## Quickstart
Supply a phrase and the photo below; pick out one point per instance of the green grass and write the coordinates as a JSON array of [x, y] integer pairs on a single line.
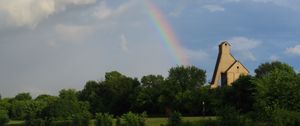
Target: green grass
[[153, 121], [15, 123], [159, 121]]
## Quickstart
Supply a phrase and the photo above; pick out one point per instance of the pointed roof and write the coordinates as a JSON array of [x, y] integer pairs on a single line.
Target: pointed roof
[[224, 42], [236, 61]]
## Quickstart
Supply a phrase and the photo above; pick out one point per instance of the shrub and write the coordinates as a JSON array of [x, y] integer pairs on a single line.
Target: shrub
[[35, 122], [81, 119], [61, 123], [131, 119], [118, 121], [3, 117], [174, 119], [104, 119], [285, 118], [229, 116]]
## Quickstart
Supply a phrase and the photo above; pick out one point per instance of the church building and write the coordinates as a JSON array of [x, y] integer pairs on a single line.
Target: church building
[[227, 68]]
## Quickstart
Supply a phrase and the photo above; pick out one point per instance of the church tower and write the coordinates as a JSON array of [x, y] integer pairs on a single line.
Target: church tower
[[227, 68]]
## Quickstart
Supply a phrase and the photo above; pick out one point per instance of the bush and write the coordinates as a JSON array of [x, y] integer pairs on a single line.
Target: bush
[[81, 119], [229, 116], [201, 123], [61, 123], [3, 117], [131, 119], [35, 122], [118, 121], [174, 119], [285, 118], [104, 119]]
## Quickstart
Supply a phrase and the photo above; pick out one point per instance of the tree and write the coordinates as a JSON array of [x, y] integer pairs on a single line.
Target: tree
[[147, 99], [18, 109], [241, 94], [90, 94], [23, 96], [152, 81], [5, 104], [267, 68], [276, 90], [178, 88], [3, 117], [187, 77], [68, 94], [118, 92], [46, 98], [66, 106]]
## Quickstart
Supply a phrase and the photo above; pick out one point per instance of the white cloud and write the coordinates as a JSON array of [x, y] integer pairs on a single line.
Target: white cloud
[[214, 8], [243, 43], [292, 4], [293, 50], [103, 11], [31, 12], [124, 43], [178, 10], [73, 33], [244, 46]]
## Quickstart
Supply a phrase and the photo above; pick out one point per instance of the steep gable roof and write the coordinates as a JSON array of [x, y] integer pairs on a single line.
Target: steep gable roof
[[225, 42], [236, 62]]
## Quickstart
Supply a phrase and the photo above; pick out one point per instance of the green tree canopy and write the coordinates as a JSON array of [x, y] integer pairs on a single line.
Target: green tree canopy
[[267, 68], [23, 96], [68, 94], [147, 99], [66, 106], [90, 93], [187, 77], [152, 81], [278, 89]]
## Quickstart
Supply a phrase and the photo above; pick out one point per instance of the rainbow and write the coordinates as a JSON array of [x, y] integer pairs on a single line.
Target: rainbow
[[168, 36]]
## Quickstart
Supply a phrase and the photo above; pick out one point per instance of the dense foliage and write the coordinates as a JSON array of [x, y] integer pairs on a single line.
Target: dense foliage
[[3, 117], [104, 119], [271, 97]]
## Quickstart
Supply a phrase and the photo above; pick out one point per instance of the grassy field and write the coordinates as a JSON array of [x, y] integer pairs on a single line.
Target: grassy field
[[153, 121], [159, 121]]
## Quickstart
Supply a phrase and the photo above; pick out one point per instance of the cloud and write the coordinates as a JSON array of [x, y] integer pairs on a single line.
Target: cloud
[[178, 10], [243, 43], [31, 12], [103, 11], [214, 8], [244, 46], [292, 4], [293, 50], [73, 33], [124, 43]]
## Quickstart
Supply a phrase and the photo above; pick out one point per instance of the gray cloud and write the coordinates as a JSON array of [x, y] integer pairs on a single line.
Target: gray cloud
[[31, 12], [65, 51], [73, 33]]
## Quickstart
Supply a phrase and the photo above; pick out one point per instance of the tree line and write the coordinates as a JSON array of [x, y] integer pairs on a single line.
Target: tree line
[[272, 91]]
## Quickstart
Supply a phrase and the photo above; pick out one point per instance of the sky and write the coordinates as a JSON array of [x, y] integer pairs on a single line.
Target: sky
[[48, 45]]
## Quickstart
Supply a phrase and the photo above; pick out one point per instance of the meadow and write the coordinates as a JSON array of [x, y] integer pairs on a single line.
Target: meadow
[[150, 121]]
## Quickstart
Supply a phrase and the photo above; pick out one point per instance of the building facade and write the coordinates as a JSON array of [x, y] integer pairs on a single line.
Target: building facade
[[227, 68]]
